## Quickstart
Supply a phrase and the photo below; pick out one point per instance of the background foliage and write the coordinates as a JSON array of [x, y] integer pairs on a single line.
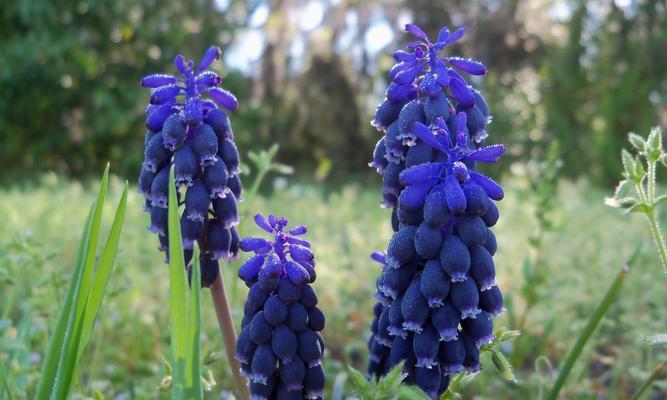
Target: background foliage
[[308, 74]]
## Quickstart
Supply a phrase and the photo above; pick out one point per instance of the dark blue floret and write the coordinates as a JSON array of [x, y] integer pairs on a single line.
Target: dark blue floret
[[414, 308], [428, 241], [434, 284], [425, 346], [482, 269], [297, 318], [191, 230], [219, 239], [226, 210], [260, 329], [205, 144], [465, 297], [491, 301], [173, 132], [446, 320], [275, 310], [401, 247], [455, 258], [230, 156], [314, 382], [197, 202], [428, 379], [451, 355], [263, 364], [471, 230], [479, 329], [284, 343], [292, 373]]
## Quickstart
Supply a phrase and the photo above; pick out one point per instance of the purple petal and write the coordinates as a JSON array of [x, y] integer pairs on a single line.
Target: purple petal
[[396, 92], [252, 244], [193, 115], [442, 74], [402, 55], [264, 249], [489, 154], [157, 80], [378, 256], [296, 273], [415, 44], [493, 189], [406, 77], [249, 270], [299, 230], [418, 174], [262, 223], [208, 79], [213, 53], [273, 220], [225, 98], [179, 63], [414, 29], [425, 133], [461, 92], [456, 199], [300, 242], [412, 197], [470, 66], [165, 94], [443, 35], [458, 34]]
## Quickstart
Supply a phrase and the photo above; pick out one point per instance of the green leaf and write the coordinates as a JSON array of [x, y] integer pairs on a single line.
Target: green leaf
[[411, 393], [67, 362], [394, 378], [654, 144], [504, 336], [639, 170], [659, 200], [103, 272], [636, 141], [628, 163], [503, 366], [586, 334], [640, 208], [358, 381], [623, 189], [178, 296]]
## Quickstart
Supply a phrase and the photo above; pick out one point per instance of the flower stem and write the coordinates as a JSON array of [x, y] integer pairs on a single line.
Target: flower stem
[[657, 238], [228, 331]]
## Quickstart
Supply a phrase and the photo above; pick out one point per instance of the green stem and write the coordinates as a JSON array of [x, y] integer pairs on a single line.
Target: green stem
[[649, 381], [583, 338], [657, 238], [451, 392]]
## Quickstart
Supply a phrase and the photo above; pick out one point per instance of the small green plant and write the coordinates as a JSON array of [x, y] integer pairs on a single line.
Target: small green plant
[[82, 302], [637, 191]]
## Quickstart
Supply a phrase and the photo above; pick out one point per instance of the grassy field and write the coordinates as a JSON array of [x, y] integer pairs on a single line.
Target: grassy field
[[41, 225]]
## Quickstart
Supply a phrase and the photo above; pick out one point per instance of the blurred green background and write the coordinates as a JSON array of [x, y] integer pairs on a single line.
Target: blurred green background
[[308, 74]]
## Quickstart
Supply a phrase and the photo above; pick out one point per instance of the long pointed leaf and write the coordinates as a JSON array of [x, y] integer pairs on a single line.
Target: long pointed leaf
[[66, 364], [103, 272], [53, 355], [177, 295]]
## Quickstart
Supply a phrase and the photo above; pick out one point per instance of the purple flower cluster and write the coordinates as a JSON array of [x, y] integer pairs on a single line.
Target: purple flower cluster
[[188, 129], [280, 346], [437, 293]]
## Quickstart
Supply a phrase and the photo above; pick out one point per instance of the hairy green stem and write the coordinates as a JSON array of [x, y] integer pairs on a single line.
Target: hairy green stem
[[649, 381], [657, 238]]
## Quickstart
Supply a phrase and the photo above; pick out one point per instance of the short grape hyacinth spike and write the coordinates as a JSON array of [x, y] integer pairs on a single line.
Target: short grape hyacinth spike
[[280, 346], [436, 292], [189, 130]]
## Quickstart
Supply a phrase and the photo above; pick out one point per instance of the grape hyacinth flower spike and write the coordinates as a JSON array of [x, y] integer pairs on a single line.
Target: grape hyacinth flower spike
[[280, 346], [436, 292], [187, 127]]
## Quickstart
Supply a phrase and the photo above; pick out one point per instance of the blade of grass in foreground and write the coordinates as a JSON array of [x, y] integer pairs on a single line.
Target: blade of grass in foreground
[[82, 301], [656, 372], [66, 364], [58, 345], [592, 324], [178, 296]]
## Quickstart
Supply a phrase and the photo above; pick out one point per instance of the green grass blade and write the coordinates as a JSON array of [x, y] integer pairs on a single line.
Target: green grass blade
[[67, 362], [177, 295], [647, 384], [54, 352], [102, 273], [592, 324], [194, 328]]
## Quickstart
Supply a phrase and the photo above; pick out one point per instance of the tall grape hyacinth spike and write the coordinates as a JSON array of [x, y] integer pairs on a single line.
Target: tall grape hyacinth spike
[[280, 346], [189, 129], [437, 294]]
